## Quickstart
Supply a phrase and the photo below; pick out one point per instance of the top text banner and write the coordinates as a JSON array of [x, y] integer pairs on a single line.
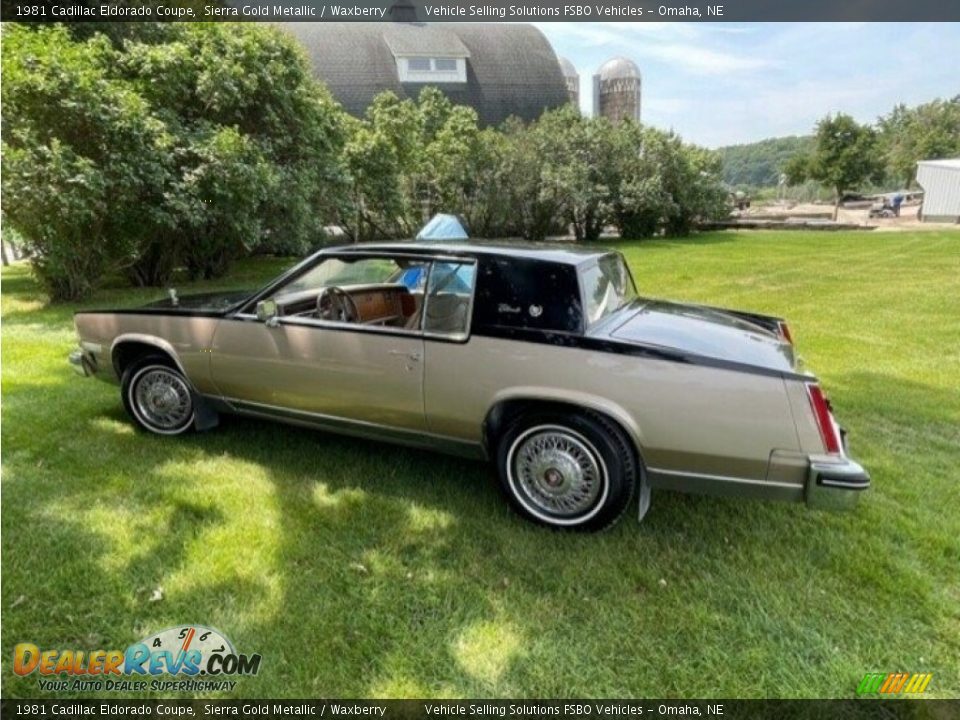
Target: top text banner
[[491, 11]]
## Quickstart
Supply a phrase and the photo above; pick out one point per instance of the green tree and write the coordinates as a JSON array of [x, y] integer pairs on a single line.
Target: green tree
[[844, 157], [759, 164], [660, 182], [696, 188], [146, 151], [375, 179], [81, 154], [206, 80], [407, 160], [579, 155], [535, 203], [486, 199], [450, 146], [927, 132]]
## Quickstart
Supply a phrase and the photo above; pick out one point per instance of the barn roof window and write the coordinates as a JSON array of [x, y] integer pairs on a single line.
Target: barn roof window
[[427, 53], [432, 69]]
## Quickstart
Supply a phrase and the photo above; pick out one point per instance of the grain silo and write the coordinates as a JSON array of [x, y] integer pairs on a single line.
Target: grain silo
[[572, 80], [616, 90]]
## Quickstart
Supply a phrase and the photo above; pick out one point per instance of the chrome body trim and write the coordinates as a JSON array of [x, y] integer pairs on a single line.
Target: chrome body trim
[[358, 428], [157, 342], [355, 327], [724, 485]]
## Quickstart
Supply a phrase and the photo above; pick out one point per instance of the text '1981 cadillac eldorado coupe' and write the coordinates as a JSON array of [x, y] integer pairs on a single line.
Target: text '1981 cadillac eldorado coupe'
[[544, 360]]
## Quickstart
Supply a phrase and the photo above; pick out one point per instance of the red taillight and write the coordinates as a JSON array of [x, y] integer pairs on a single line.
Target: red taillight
[[821, 410], [784, 331]]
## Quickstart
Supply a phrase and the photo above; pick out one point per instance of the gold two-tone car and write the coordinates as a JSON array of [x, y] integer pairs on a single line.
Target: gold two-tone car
[[546, 361]]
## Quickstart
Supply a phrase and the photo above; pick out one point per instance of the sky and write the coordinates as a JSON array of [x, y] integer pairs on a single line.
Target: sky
[[726, 83]]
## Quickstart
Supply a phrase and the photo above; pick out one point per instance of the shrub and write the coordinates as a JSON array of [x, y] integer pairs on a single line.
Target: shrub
[[147, 149], [79, 156], [154, 150]]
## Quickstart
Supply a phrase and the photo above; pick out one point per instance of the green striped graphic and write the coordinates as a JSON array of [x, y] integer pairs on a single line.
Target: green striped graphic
[[894, 683]]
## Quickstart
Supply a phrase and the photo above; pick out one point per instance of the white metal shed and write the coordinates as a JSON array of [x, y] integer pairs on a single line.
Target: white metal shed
[[940, 180]]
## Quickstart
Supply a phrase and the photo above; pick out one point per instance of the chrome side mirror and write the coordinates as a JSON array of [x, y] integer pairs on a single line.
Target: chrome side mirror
[[267, 312]]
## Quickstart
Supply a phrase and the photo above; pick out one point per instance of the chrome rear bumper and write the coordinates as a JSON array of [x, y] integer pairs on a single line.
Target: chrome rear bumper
[[835, 485]]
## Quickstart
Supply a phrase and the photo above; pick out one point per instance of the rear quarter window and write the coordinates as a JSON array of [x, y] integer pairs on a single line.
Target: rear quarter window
[[531, 294]]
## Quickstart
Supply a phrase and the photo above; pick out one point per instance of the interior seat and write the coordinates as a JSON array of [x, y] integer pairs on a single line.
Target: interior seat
[[413, 319], [447, 313]]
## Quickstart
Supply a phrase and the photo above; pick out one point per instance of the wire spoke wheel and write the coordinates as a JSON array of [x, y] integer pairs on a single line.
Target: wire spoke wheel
[[557, 473], [162, 399]]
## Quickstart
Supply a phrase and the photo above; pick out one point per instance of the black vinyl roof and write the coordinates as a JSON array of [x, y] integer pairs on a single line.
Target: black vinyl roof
[[511, 69]]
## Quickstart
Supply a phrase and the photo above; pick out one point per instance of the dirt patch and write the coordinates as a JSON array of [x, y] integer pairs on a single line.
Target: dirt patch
[[908, 220]]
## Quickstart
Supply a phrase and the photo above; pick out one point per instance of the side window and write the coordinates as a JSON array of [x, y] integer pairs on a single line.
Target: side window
[[448, 300], [375, 292], [607, 287]]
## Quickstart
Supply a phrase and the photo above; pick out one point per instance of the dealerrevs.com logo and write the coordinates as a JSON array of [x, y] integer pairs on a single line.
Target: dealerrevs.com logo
[[197, 657]]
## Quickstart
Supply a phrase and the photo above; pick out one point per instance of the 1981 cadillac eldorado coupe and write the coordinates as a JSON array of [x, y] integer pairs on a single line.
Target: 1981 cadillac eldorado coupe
[[545, 360]]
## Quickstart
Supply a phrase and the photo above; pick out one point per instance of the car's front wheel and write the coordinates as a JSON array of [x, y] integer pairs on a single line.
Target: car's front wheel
[[158, 396], [572, 471]]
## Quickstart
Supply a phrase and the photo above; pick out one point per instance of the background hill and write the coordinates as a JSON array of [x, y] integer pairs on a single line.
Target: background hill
[[759, 164]]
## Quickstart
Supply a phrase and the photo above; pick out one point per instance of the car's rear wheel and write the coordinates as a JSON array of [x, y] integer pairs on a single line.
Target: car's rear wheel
[[573, 471], [158, 396]]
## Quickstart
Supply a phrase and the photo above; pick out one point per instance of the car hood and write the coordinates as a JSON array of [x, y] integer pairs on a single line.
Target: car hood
[[705, 331], [201, 302]]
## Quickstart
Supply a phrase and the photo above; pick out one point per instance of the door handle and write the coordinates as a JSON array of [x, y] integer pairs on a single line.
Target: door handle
[[415, 356]]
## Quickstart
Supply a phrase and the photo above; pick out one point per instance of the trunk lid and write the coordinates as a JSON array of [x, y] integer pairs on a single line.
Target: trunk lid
[[706, 331]]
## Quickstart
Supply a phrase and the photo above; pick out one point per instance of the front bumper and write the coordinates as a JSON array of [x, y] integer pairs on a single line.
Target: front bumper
[[83, 363], [835, 484]]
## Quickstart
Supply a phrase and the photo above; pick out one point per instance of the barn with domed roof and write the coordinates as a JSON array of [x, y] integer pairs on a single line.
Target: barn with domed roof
[[498, 69]]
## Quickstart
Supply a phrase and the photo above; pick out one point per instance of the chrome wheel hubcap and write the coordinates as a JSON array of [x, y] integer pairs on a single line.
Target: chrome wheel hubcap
[[557, 472], [163, 399]]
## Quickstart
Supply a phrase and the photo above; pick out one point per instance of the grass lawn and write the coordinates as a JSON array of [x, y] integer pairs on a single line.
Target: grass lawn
[[365, 570]]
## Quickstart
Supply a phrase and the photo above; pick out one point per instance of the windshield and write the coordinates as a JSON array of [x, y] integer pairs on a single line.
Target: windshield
[[607, 287]]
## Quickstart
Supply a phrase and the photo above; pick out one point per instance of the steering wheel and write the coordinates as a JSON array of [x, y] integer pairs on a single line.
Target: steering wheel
[[334, 303]]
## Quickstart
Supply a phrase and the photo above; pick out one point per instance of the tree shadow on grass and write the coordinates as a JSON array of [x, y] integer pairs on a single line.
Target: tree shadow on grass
[[483, 602], [38, 569], [64, 587], [429, 586], [361, 569], [382, 570]]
